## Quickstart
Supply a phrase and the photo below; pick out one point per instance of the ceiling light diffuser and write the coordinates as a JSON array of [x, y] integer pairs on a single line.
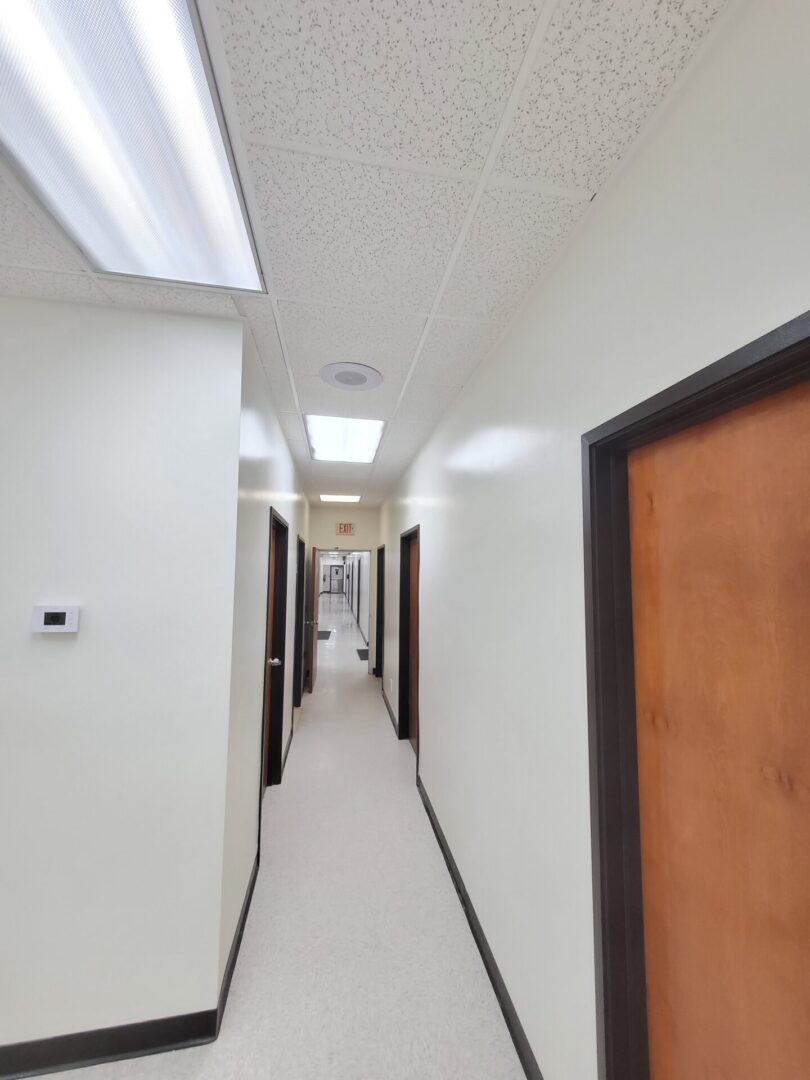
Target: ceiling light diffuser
[[339, 438], [340, 498], [106, 112]]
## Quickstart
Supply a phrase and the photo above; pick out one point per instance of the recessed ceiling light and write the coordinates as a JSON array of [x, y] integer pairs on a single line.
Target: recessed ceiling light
[[107, 113], [339, 438], [340, 498], [351, 376]]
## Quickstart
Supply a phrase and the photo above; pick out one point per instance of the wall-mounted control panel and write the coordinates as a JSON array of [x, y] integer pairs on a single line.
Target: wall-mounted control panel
[[55, 619]]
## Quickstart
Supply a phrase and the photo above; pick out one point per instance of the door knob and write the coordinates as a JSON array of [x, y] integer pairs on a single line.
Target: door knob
[[274, 663]]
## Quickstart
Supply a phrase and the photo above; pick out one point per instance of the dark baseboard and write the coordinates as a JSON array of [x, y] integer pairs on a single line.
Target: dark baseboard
[[84, 1048], [287, 747], [524, 1050], [236, 944], [107, 1044], [390, 711]]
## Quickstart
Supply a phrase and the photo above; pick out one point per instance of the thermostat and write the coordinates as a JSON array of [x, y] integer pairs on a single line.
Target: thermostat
[[55, 619]]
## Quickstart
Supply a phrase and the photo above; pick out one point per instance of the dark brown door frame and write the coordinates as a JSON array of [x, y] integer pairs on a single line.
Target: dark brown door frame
[[773, 362], [379, 627], [300, 616], [271, 767], [403, 718]]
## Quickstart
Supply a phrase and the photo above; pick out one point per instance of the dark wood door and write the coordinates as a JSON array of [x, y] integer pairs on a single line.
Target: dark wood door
[[720, 553], [269, 654], [379, 629], [300, 618], [312, 621], [413, 643]]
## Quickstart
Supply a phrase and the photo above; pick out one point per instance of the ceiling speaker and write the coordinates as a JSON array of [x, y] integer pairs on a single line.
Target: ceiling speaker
[[351, 376]]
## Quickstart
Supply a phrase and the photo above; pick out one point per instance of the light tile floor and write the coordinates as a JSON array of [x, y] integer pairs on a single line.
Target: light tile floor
[[357, 961]]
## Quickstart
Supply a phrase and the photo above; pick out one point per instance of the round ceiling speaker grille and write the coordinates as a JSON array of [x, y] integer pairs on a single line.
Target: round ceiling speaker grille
[[351, 376]]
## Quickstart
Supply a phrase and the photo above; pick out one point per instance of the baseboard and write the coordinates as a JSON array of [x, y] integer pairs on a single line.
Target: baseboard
[[236, 944], [390, 711], [524, 1050], [107, 1044], [287, 749], [83, 1048]]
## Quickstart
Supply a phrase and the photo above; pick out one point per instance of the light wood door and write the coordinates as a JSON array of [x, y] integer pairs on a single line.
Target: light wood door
[[720, 549]]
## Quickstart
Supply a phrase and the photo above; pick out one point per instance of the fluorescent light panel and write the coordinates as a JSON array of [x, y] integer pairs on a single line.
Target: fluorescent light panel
[[339, 438], [340, 498], [106, 111]]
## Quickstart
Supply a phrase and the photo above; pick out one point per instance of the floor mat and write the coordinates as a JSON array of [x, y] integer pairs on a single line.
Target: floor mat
[[324, 635], [363, 654]]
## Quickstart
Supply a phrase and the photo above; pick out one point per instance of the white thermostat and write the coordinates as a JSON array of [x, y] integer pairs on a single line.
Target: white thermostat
[[55, 619]]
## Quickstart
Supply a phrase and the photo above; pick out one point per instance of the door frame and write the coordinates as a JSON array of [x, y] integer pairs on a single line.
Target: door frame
[[300, 597], [403, 713], [773, 362], [379, 622], [272, 766]]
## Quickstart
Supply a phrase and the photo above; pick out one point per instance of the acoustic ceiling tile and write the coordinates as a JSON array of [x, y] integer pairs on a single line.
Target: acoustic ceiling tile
[[28, 238], [80, 288], [318, 335], [454, 349], [418, 81], [160, 297], [320, 399], [513, 236], [603, 68], [341, 233]]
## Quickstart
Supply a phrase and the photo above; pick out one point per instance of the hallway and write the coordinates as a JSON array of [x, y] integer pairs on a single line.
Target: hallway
[[357, 962]]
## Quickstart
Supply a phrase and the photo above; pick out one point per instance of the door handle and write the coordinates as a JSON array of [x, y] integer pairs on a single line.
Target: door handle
[[274, 663]]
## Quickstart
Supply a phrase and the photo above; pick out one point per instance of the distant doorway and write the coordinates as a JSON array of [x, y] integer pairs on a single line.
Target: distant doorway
[[379, 629], [409, 637], [275, 651]]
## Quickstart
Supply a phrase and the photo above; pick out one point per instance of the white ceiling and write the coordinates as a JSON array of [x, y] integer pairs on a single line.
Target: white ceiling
[[410, 168]]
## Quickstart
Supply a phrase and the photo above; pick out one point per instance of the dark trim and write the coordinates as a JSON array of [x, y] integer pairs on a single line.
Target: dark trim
[[771, 363], [279, 634], [84, 1048], [390, 712], [379, 625], [287, 748], [107, 1044], [404, 630], [524, 1050], [236, 944], [298, 639]]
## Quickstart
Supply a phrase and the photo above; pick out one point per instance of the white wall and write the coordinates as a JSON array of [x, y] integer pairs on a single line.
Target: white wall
[[360, 562], [701, 245], [266, 478], [119, 437]]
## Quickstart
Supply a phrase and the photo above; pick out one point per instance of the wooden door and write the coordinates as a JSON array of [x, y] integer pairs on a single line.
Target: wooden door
[[413, 642], [312, 622], [720, 553], [269, 654]]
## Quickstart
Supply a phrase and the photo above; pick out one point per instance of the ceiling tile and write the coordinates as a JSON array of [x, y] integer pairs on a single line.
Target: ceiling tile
[[344, 233], [28, 237], [80, 288], [318, 335], [454, 349], [433, 77], [424, 402], [603, 68], [318, 397], [513, 236], [164, 297]]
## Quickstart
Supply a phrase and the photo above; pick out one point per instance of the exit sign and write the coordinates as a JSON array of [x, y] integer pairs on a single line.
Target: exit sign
[[345, 528]]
